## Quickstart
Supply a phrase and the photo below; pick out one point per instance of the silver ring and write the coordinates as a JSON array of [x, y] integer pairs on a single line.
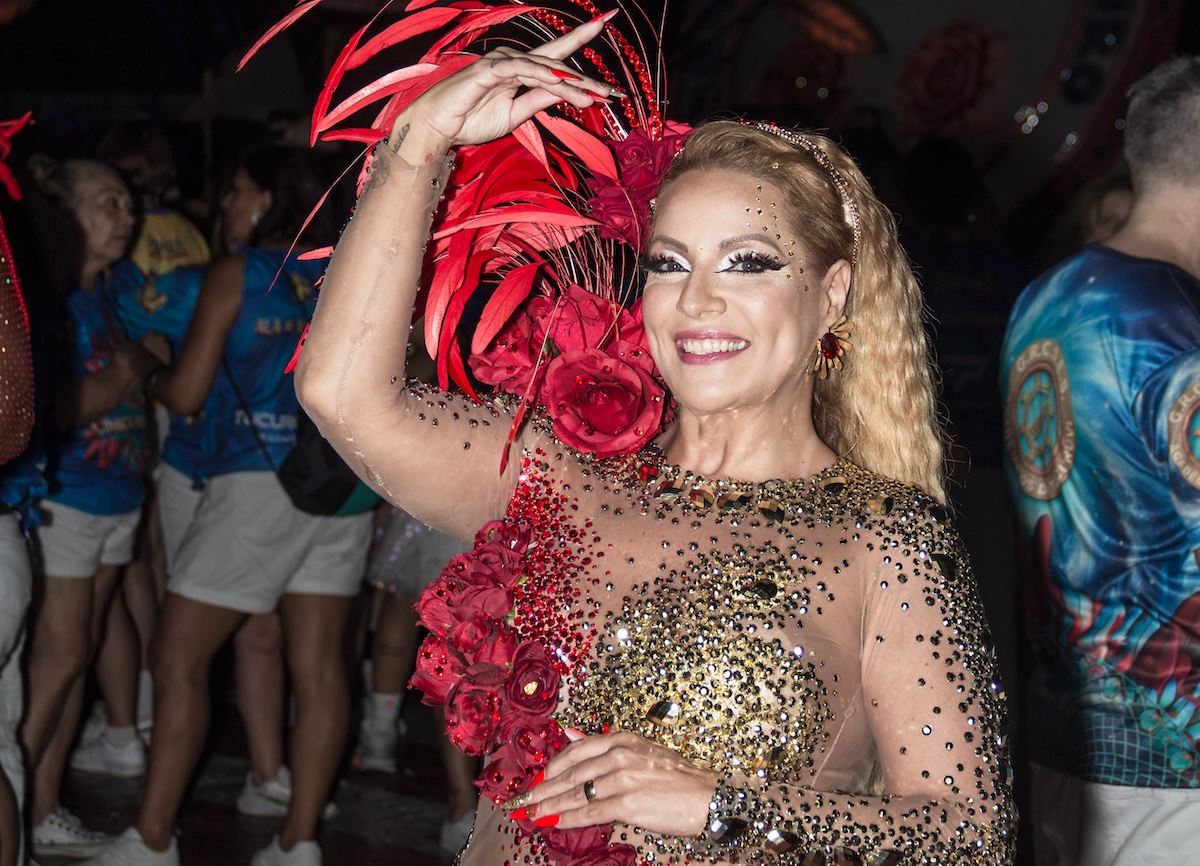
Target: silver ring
[[589, 790]]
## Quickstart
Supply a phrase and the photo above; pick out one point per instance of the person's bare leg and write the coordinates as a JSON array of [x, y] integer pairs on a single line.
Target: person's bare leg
[[314, 628], [10, 823], [181, 654], [118, 661], [258, 658], [59, 649], [394, 646]]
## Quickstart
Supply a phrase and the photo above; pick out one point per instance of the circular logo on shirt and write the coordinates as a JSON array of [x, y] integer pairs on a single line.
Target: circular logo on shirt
[[1183, 432], [1039, 433]]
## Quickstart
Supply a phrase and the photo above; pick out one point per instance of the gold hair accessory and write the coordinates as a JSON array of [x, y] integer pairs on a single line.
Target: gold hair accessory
[[832, 346], [849, 207]]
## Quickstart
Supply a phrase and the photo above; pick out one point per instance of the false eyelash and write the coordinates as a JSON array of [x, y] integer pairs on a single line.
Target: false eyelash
[[648, 263], [770, 263]]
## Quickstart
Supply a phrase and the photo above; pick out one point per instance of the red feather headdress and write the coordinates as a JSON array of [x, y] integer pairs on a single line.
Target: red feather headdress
[[548, 220]]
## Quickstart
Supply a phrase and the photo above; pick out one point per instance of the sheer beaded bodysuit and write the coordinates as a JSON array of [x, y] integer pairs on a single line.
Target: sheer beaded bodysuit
[[797, 636]]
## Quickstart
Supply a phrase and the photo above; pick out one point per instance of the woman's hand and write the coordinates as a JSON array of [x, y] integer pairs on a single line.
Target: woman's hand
[[496, 94], [633, 781]]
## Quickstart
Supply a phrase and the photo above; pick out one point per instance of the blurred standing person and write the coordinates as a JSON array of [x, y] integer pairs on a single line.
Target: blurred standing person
[[20, 477], [1101, 370], [148, 299], [249, 549], [96, 459]]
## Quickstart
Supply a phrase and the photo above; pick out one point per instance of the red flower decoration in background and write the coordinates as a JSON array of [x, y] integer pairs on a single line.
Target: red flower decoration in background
[[949, 86]]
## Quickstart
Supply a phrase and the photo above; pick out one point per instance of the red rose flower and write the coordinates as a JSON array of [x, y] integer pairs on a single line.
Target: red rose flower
[[610, 855], [949, 86], [505, 776], [515, 536], [510, 362], [532, 687], [473, 709], [438, 670], [580, 320], [532, 741], [567, 846], [603, 404], [483, 639], [623, 206]]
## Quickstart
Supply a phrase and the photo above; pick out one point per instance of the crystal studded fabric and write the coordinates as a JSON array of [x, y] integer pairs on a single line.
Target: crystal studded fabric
[[818, 642]]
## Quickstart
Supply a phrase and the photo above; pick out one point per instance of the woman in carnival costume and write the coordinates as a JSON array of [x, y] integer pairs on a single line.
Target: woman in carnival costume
[[717, 610]]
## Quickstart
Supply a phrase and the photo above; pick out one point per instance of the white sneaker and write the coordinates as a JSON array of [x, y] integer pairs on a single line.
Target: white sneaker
[[306, 853], [99, 755], [272, 797], [455, 834], [376, 749], [130, 849], [61, 834]]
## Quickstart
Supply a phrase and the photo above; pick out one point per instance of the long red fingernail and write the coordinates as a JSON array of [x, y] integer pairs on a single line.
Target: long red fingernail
[[518, 815], [566, 76], [539, 778], [598, 98], [605, 16], [546, 821]]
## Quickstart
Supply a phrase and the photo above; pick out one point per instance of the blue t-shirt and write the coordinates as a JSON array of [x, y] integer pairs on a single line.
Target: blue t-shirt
[[97, 468], [1101, 376], [163, 304], [251, 394]]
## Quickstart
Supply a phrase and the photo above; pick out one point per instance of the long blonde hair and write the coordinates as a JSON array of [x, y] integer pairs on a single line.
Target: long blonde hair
[[879, 410]]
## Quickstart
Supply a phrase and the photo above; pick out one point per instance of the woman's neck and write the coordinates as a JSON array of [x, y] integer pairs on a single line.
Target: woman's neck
[[747, 444]]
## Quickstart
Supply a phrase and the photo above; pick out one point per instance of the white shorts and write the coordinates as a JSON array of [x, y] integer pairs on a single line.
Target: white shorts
[[1078, 823], [177, 504], [73, 543], [248, 545]]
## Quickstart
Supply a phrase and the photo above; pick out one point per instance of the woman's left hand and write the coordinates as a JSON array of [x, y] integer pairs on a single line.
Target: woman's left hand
[[634, 781]]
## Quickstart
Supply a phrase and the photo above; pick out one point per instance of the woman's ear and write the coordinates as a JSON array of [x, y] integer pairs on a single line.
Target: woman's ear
[[836, 286]]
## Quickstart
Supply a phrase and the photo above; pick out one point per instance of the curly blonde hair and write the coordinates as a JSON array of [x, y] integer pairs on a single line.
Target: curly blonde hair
[[879, 410]]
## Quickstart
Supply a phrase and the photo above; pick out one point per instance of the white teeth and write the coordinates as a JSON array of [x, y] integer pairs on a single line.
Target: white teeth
[[711, 347]]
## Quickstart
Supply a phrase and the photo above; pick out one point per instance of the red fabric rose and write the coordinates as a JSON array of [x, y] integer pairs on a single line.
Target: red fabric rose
[[623, 206], [532, 687], [482, 639], [610, 855], [505, 776], [949, 86], [515, 536], [603, 404], [473, 708], [532, 741], [580, 320], [509, 362], [568, 846], [438, 669]]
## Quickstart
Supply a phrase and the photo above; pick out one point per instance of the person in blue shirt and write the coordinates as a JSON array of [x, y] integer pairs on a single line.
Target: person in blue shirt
[[249, 549], [1101, 376], [96, 446]]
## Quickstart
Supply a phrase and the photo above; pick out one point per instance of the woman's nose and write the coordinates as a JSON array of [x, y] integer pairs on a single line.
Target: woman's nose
[[700, 296]]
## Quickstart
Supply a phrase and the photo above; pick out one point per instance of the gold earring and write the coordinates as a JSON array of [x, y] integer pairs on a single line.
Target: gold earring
[[831, 347]]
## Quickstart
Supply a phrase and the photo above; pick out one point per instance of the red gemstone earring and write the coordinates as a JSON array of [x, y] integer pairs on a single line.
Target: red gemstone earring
[[831, 347]]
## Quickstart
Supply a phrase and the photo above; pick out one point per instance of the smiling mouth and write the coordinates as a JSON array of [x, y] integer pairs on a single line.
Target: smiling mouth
[[711, 347]]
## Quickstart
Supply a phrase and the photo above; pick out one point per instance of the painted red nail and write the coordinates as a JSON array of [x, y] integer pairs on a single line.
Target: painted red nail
[[546, 821], [539, 778], [605, 16], [598, 98], [518, 815], [566, 76]]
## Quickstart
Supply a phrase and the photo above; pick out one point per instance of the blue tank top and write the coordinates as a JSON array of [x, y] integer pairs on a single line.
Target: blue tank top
[[97, 468], [251, 411], [165, 305]]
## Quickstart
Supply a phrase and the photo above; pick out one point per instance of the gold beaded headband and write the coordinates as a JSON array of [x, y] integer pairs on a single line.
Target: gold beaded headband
[[849, 207]]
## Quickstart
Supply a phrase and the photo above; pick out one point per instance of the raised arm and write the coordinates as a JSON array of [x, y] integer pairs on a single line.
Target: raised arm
[[435, 456]]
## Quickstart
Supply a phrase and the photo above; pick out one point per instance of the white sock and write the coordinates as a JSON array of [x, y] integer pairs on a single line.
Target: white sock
[[384, 710], [119, 737], [145, 698]]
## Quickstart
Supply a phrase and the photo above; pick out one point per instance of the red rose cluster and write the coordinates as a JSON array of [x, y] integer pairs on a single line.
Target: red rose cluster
[[497, 691], [585, 359], [622, 205]]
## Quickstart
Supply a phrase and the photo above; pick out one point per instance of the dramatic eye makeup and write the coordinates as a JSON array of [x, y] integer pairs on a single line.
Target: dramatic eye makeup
[[663, 263], [750, 262]]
